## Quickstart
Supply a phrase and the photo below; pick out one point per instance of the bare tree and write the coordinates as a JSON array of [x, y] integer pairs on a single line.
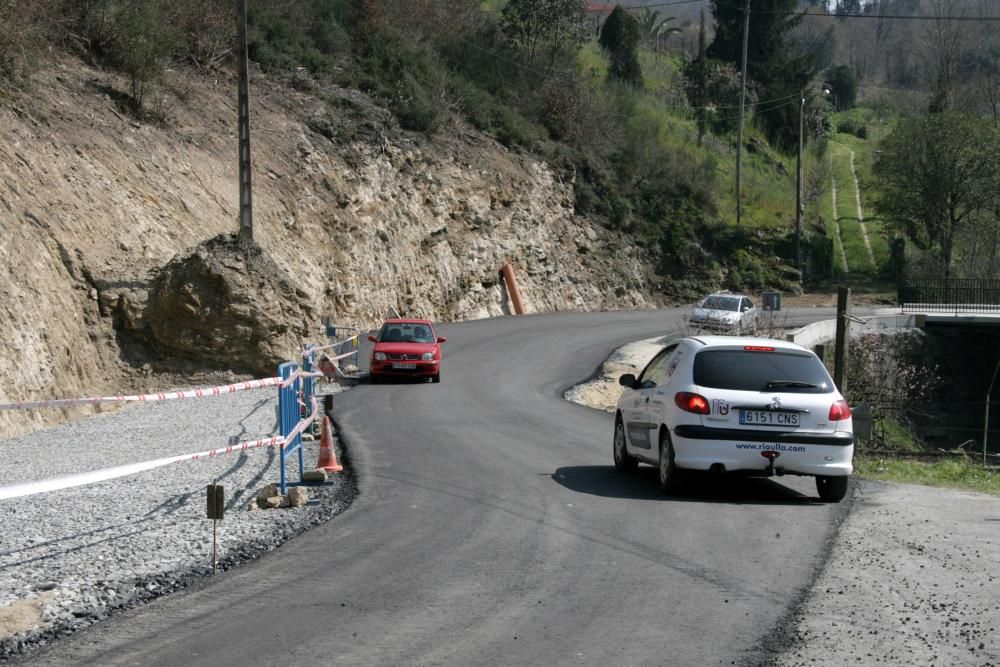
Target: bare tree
[[942, 45]]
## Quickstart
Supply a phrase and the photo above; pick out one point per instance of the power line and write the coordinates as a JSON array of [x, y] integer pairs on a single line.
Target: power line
[[898, 17], [571, 76]]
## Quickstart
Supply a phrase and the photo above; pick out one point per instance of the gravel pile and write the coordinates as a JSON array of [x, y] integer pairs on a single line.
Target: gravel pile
[[71, 557]]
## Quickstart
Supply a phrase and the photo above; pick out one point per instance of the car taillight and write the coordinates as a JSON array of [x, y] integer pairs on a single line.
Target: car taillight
[[758, 348], [689, 402], [840, 411]]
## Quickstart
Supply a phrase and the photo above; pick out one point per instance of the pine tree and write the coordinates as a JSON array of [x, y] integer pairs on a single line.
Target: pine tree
[[620, 39], [778, 71]]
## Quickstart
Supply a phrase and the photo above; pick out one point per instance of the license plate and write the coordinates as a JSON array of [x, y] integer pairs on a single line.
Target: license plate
[[769, 418], [405, 367]]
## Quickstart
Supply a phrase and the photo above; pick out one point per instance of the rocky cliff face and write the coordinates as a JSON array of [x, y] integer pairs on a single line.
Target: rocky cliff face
[[359, 215]]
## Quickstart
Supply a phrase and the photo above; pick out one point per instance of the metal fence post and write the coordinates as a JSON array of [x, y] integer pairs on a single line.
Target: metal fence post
[[288, 416]]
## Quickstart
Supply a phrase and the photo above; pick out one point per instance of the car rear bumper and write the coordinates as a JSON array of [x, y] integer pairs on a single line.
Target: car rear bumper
[[751, 452]]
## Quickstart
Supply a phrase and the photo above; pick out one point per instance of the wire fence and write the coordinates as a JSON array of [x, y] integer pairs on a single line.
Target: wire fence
[[960, 429]]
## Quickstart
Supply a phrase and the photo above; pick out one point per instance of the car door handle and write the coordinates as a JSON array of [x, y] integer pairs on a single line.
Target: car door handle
[[647, 399]]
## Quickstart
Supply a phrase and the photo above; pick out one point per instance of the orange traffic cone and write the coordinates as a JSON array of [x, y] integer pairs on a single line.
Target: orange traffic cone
[[327, 457]]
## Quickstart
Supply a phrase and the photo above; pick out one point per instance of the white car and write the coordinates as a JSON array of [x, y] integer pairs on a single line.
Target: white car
[[726, 404], [723, 310]]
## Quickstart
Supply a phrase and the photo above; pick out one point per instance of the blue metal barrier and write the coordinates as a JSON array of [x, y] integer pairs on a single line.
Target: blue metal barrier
[[289, 415], [333, 330], [308, 383]]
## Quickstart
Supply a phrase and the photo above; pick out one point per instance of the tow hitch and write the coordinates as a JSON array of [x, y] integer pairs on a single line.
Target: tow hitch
[[770, 456]]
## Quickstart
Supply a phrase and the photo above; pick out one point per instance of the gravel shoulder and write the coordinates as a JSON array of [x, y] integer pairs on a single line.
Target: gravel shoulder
[[911, 578], [72, 557]]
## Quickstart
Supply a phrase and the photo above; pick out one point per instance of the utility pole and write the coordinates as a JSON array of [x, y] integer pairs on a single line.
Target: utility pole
[[743, 97], [843, 339], [798, 189], [246, 194]]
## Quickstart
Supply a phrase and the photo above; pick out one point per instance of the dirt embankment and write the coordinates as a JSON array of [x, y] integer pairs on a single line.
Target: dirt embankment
[[360, 215]]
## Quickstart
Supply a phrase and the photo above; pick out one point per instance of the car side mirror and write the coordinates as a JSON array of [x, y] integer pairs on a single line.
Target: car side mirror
[[373, 339], [627, 380], [442, 339]]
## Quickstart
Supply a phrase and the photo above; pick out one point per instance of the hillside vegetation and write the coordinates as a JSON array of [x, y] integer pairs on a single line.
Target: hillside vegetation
[[637, 108]]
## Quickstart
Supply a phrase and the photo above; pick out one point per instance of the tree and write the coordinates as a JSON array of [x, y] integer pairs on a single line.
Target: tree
[[779, 70], [146, 42], [817, 39], [935, 176], [696, 81], [535, 24], [652, 27], [843, 85], [25, 27], [943, 41], [620, 39]]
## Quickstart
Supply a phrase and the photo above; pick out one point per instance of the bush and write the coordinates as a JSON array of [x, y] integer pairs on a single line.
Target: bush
[[24, 30], [851, 125]]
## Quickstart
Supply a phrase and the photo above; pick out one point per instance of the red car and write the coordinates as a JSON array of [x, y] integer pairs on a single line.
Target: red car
[[406, 348]]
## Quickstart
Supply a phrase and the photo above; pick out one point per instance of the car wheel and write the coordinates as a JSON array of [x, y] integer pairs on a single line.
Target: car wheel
[[623, 462], [436, 378], [831, 489], [373, 379], [669, 475]]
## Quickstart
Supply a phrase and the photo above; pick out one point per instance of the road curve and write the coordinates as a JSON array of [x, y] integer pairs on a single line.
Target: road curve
[[491, 529]]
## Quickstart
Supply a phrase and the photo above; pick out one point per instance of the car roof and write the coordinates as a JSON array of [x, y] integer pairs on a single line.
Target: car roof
[[741, 341], [406, 320]]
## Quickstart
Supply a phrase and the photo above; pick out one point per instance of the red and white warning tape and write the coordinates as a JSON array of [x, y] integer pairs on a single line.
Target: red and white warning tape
[[81, 479], [306, 353], [166, 396]]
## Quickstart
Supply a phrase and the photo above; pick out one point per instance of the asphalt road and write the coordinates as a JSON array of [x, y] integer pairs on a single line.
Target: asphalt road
[[490, 528]]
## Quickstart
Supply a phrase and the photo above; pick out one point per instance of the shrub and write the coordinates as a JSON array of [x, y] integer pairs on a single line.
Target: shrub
[[24, 30], [851, 125]]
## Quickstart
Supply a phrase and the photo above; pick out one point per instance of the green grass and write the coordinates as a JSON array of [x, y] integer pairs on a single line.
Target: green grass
[[768, 177], [863, 158], [960, 473], [858, 259]]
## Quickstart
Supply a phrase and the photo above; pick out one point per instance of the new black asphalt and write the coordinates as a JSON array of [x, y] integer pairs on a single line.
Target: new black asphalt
[[490, 528]]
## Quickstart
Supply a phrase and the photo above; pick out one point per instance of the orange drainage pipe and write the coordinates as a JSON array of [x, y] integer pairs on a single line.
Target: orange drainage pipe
[[515, 294]]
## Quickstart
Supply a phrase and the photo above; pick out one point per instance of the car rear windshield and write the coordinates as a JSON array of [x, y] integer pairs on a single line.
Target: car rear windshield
[[721, 303], [761, 371]]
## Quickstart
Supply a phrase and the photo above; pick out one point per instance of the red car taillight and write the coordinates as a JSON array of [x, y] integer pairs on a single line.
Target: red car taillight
[[840, 411], [689, 402]]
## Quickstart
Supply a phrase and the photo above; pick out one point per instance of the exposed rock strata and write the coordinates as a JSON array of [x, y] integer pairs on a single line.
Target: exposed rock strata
[[93, 206]]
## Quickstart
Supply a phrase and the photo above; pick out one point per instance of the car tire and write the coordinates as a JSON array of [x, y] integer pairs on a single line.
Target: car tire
[[619, 453], [831, 489], [436, 378], [668, 475], [373, 379]]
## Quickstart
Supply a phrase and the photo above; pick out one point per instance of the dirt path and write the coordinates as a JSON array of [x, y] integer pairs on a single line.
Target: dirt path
[[836, 219], [861, 216]]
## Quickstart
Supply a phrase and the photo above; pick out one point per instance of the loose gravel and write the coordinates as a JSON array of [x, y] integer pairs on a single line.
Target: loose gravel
[[71, 557], [913, 576]]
